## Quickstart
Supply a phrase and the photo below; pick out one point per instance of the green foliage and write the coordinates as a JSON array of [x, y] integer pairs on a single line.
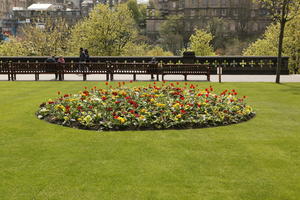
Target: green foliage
[[105, 32], [46, 40], [215, 26], [171, 33], [133, 49], [200, 43], [267, 45], [13, 47], [50, 39], [138, 12]]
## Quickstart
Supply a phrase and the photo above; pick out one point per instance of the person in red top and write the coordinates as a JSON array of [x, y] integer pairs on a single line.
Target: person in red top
[[61, 60]]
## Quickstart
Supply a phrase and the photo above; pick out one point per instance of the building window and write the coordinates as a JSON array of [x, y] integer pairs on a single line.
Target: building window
[[213, 2], [223, 12], [192, 13], [255, 27], [232, 27], [214, 12], [193, 3]]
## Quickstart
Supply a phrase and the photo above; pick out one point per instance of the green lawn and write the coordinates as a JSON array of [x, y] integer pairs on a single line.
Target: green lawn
[[258, 159]]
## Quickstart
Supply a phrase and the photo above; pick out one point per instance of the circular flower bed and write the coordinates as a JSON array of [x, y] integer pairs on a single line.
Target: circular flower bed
[[153, 107]]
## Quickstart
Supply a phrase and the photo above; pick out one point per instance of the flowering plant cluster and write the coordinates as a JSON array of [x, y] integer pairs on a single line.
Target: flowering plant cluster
[[152, 107]]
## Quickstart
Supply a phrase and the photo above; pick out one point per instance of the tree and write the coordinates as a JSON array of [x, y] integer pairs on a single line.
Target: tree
[[133, 49], [13, 47], [105, 32], [171, 33], [215, 26], [268, 44], [138, 12], [200, 43], [281, 11], [50, 38]]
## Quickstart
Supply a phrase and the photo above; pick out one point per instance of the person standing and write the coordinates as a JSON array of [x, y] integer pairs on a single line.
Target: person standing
[[87, 55], [81, 59]]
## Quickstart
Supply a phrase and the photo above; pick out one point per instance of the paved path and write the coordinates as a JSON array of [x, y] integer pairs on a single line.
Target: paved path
[[214, 78]]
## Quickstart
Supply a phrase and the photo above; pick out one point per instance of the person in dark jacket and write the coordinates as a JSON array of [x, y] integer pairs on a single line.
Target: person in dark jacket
[[51, 68], [87, 55]]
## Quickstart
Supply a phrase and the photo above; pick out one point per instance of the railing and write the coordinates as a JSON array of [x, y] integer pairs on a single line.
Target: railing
[[231, 64]]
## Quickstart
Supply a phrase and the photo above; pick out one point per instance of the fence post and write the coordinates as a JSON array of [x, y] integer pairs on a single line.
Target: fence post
[[219, 72]]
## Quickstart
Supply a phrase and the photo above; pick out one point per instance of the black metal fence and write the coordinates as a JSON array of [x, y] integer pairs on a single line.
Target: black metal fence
[[256, 65]]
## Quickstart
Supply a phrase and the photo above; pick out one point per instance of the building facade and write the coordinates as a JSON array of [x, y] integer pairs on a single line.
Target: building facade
[[238, 16]]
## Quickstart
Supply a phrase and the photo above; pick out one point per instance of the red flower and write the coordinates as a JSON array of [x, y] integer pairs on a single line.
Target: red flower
[[207, 95], [199, 95], [106, 83], [66, 95], [172, 84], [85, 87], [90, 107], [182, 98], [177, 83], [206, 101], [244, 97], [117, 102], [58, 92], [131, 81], [127, 97], [104, 98], [109, 109], [50, 102], [182, 111], [116, 117], [131, 111], [79, 107], [67, 107]]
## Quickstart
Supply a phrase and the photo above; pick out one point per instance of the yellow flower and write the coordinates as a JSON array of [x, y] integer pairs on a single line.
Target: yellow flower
[[59, 107], [178, 116], [142, 117], [176, 105], [66, 118], [143, 110], [160, 105], [121, 119], [152, 100], [122, 92]]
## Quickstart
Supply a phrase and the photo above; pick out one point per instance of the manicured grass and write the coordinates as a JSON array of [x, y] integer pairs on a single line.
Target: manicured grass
[[258, 159]]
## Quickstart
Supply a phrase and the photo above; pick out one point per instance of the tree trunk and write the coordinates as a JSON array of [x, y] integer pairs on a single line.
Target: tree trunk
[[279, 57], [280, 43]]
